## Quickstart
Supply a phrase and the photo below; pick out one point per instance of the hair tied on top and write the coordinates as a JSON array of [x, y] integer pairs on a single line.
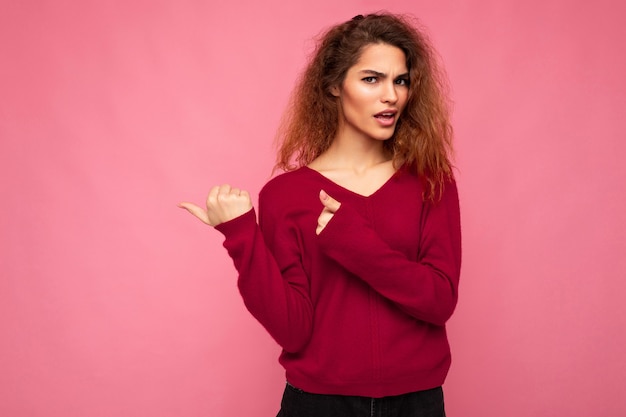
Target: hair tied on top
[[358, 17]]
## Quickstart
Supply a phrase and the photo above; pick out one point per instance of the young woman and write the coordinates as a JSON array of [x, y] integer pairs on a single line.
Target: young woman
[[353, 267]]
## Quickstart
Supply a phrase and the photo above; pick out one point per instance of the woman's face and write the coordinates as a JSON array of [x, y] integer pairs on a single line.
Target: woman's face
[[374, 93]]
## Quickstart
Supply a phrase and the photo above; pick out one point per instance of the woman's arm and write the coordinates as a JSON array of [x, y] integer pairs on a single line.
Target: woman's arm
[[427, 288], [276, 295]]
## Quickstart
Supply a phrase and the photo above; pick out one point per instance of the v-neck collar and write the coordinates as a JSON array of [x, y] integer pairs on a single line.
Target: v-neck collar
[[347, 190]]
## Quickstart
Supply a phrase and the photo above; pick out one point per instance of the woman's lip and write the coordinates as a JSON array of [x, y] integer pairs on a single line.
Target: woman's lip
[[390, 112], [385, 121]]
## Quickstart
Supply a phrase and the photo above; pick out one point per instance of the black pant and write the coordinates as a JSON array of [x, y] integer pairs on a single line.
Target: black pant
[[298, 403]]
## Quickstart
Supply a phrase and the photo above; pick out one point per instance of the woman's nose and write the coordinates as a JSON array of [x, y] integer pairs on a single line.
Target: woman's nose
[[389, 94]]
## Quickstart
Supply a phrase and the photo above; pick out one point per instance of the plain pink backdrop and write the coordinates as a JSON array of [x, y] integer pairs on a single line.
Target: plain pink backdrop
[[114, 302]]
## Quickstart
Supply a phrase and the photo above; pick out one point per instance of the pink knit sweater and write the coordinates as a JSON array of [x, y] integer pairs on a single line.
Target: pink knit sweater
[[361, 308]]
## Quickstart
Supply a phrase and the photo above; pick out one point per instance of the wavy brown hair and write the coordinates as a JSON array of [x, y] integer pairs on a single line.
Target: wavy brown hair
[[423, 136]]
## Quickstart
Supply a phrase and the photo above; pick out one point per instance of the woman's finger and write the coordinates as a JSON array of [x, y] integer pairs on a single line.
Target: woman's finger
[[211, 199], [224, 190], [330, 203], [197, 211]]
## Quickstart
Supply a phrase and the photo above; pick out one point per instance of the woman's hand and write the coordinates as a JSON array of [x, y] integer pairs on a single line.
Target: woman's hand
[[222, 204], [330, 207]]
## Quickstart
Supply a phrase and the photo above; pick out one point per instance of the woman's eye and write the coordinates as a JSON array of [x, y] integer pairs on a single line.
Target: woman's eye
[[369, 80], [402, 81]]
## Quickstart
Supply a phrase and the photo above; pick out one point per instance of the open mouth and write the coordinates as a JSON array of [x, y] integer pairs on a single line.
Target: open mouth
[[385, 116]]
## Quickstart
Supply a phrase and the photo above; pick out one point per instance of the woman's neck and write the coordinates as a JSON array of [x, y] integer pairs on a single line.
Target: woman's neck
[[354, 155]]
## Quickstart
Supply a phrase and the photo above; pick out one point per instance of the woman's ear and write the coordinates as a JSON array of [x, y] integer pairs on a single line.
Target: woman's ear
[[335, 91]]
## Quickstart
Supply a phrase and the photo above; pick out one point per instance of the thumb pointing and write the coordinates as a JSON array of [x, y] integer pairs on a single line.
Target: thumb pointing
[[196, 211], [330, 203]]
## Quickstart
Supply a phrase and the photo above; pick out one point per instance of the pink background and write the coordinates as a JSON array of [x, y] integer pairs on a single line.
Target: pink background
[[114, 302]]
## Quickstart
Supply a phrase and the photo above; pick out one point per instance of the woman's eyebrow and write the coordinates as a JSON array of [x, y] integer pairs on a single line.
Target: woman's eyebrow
[[372, 72], [381, 74]]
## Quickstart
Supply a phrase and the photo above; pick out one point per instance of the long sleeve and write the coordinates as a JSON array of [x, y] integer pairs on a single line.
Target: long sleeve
[[426, 288], [276, 294], [359, 309]]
